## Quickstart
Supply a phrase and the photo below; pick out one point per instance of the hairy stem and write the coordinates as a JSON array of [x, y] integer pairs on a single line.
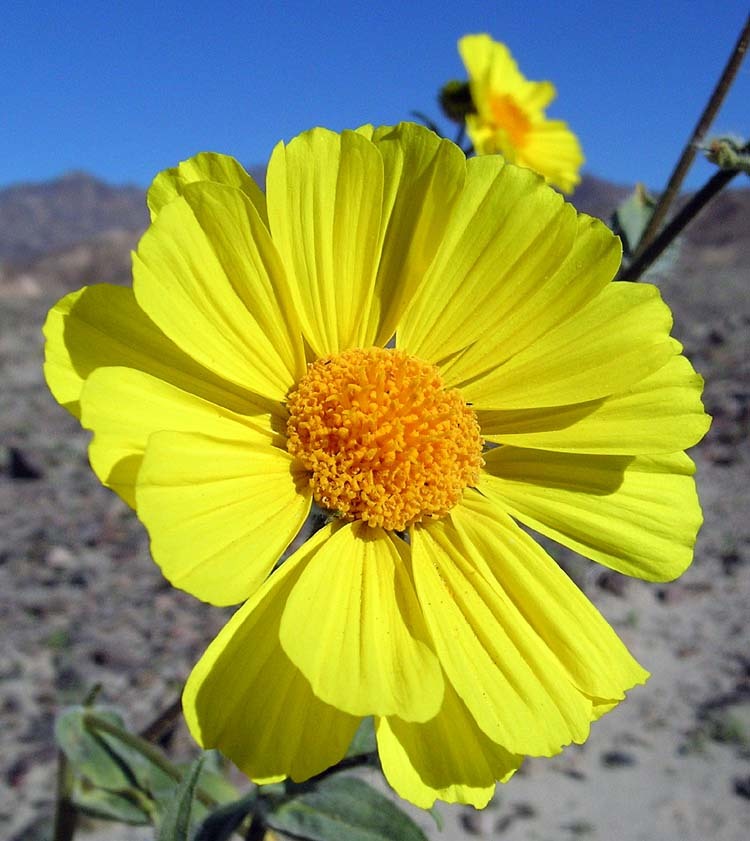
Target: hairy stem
[[691, 148], [163, 721]]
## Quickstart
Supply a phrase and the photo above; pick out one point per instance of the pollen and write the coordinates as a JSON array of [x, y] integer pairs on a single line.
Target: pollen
[[383, 439]]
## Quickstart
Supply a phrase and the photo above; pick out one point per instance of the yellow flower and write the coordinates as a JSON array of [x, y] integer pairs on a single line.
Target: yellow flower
[[509, 116], [254, 366]]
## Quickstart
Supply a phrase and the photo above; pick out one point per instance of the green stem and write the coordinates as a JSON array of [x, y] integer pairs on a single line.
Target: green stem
[[257, 830], [145, 748], [460, 135], [698, 201], [163, 721], [66, 814], [344, 765], [691, 148]]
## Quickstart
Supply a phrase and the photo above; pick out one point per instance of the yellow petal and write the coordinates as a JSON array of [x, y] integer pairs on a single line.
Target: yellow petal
[[103, 326], [511, 682], [325, 197], [353, 626], [527, 306], [551, 148], [491, 69], [508, 232], [423, 177], [661, 414], [638, 515], [207, 273], [447, 758], [617, 339], [246, 698], [586, 647], [124, 406], [219, 512], [206, 166], [62, 376]]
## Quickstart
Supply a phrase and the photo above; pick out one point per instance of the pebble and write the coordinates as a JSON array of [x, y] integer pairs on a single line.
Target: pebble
[[617, 759]]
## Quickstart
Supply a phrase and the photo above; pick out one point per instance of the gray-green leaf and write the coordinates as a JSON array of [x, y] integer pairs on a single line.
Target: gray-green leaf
[[631, 217], [364, 739], [89, 754], [109, 805], [343, 809], [222, 822]]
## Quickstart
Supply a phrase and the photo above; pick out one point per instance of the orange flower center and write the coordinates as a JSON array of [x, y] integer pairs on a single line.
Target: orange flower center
[[383, 439], [510, 118]]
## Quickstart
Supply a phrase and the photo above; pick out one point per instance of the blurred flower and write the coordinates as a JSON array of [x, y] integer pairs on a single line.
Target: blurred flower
[[254, 367], [509, 116]]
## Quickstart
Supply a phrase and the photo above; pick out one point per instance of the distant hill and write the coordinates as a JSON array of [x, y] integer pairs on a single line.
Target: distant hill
[[78, 229], [37, 219]]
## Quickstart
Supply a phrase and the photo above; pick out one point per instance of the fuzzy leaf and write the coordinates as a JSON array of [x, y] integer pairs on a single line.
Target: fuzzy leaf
[[631, 217], [343, 809], [91, 755], [108, 805], [364, 739], [222, 822]]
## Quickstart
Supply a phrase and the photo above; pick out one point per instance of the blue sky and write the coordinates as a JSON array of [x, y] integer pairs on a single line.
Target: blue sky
[[123, 90]]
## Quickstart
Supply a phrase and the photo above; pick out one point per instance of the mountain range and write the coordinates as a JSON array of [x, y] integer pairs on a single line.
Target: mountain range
[[79, 229]]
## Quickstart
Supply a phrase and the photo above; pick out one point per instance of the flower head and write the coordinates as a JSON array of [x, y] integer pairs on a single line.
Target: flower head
[[509, 116], [432, 349]]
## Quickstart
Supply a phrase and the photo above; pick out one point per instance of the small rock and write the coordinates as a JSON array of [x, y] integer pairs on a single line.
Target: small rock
[[617, 759], [672, 594], [524, 810], [472, 821], [613, 582], [580, 828], [722, 454], [742, 786], [19, 467], [716, 337], [730, 560], [678, 591], [59, 557]]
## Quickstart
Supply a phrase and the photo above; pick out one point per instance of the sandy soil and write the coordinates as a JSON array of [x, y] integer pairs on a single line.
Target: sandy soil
[[81, 602]]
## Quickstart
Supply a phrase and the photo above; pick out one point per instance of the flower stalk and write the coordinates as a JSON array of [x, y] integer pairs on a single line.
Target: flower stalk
[[690, 150]]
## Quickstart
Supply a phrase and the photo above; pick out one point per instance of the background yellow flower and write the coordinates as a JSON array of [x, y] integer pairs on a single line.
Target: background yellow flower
[[510, 118]]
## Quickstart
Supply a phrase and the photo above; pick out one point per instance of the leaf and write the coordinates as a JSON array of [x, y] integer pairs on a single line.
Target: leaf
[[343, 809], [175, 826], [89, 754], [631, 217], [108, 805], [216, 785], [364, 739], [222, 822], [163, 788]]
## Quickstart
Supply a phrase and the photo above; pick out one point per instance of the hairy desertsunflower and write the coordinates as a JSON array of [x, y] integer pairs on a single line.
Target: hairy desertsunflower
[[509, 116], [432, 349]]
